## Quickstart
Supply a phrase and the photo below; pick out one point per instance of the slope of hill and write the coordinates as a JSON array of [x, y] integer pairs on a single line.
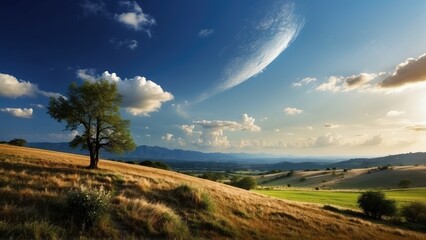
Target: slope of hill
[[363, 178], [148, 203], [395, 160]]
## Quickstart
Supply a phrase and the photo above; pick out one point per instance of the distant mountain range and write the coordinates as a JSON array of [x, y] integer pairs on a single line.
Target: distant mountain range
[[184, 159]]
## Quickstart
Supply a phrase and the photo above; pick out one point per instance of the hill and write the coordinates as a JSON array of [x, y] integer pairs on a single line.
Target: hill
[[153, 203], [395, 160], [363, 178]]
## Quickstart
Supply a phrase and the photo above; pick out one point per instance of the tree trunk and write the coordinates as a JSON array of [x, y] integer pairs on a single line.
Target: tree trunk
[[93, 160]]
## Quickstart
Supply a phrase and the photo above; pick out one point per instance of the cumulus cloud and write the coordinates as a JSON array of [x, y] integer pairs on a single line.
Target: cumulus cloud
[[188, 129], [167, 137], [292, 111], [213, 136], [328, 140], [18, 112], [417, 127], [262, 45], [345, 84], [246, 123], [205, 32], [410, 71], [11, 87], [394, 113], [135, 18], [140, 96], [304, 81], [376, 140]]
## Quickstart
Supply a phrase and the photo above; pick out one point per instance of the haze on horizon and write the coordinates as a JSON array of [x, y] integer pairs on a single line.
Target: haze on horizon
[[301, 78]]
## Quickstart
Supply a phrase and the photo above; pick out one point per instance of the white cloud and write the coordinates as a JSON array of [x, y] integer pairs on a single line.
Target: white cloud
[[374, 141], [167, 137], [135, 18], [63, 137], [131, 44], [417, 127], [140, 96], [205, 32], [410, 71], [188, 129], [93, 7], [13, 88], [344, 84], [328, 140], [304, 81], [292, 111], [37, 105], [394, 113], [18, 112], [330, 125], [246, 123], [213, 136], [262, 46]]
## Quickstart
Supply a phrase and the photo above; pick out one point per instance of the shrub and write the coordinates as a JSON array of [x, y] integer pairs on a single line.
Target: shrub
[[246, 183], [404, 183], [414, 211], [86, 206], [302, 179], [374, 204], [159, 165], [18, 142], [191, 197]]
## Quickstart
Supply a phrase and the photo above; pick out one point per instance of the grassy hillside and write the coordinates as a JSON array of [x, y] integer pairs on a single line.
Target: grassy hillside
[[351, 179], [153, 203]]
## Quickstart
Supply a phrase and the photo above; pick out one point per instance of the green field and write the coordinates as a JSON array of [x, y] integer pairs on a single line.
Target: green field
[[346, 199]]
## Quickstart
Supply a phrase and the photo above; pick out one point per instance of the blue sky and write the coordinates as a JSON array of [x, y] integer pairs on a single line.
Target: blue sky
[[303, 78]]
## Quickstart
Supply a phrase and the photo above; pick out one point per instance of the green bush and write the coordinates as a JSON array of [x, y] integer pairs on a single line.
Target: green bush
[[405, 183], [246, 183], [374, 204], [18, 142], [414, 211], [86, 206], [160, 165]]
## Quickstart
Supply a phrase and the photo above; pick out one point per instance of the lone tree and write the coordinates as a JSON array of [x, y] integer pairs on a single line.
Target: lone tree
[[375, 205], [95, 107], [405, 183]]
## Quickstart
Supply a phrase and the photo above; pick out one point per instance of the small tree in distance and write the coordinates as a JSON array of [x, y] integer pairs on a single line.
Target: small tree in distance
[[95, 107], [404, 183], [18, 142], [374, 204]]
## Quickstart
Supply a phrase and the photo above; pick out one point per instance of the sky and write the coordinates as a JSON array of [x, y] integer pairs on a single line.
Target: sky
[[286, 78]]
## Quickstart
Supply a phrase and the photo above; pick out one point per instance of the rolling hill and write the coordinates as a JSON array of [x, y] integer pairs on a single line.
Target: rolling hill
[[149, 203], [362, 178], [189, 160]]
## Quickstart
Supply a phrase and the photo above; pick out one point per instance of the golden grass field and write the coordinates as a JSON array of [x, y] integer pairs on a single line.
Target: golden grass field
[[33, 184]]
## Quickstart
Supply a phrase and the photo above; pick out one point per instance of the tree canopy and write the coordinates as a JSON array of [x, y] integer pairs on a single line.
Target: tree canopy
[[93, 106]]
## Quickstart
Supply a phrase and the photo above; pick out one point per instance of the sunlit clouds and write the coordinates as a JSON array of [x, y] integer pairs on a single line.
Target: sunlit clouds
[[140, 96]]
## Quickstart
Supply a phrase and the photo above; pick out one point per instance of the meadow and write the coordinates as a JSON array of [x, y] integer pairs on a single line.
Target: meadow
[[143, 202], [344, 198]]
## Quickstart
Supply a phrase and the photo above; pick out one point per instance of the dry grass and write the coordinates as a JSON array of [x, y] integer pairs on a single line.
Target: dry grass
[[33, 184]]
